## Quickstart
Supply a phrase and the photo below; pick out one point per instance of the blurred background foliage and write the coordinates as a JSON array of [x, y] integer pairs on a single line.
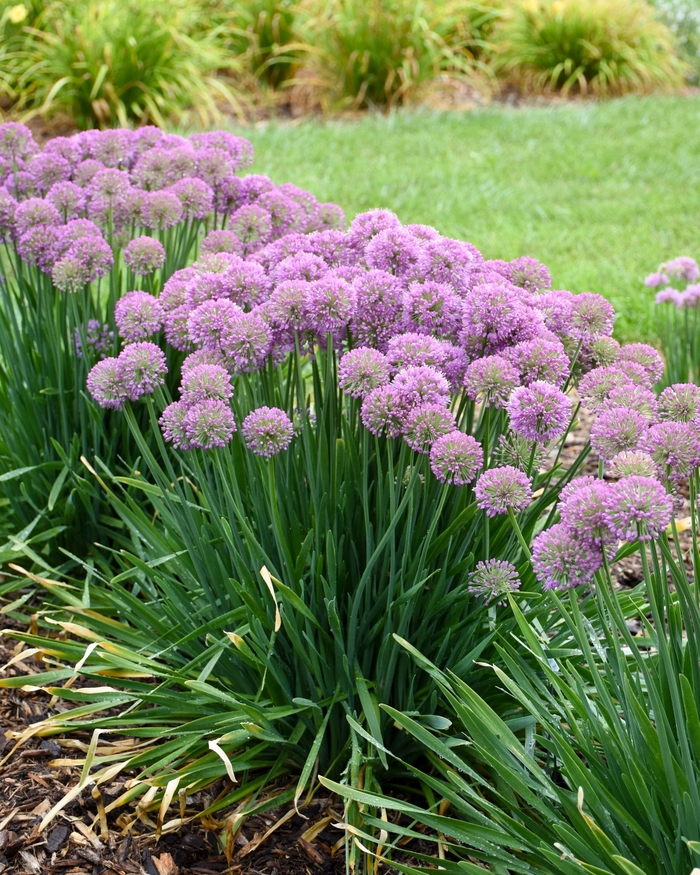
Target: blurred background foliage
[[111, 62]]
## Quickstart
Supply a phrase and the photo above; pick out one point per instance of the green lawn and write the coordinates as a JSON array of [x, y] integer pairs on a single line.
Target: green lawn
[[600, 193]]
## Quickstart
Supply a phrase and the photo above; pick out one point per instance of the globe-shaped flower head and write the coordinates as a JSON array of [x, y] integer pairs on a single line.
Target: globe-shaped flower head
[[539, 412], [456, 458], [561, 560], [493, 580], [361, 370], [638, 507], [499, 490], [144, 255], [138, 315], [267, 431]]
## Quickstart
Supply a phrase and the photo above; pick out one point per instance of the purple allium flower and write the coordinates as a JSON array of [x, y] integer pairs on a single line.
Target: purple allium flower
[[172, 294], [285, 214], [454, 364], [632, 463], [654, 280], [594, 389], [202, 357], [96, 335], [378, 310], [141, 369], [410, 350], [674, 447], [176, 328], [330, 303], [680, 403], [105, 385], [144, 255], [217, 262], [539, 412], [494, 318], [333, 248], [228, 195], [635, 373], [137, 316], [557, 309], [208, 425], [306, 201], [208, 321], [254, 186], [221, 241], [456, 458], [8, 205], [70, 274], [204, 287], [636, 397], [195, 196], [599, 353], [499, 490], [490, 380], [690, 298], [94, 253], [540, 359], [384, 412], [561, 560], [35, 211], [424, 233], [86, 171], [493, 580], [682, 268], [301, 266], [172, 424], [513, 449], [286, 306], [238, 149], [331, 217], [40, 246], [112, 147], [245, 283], [448, 261], [46, 170], [213, 165], [396, 251], [425, 424], [583, 512], [617, 429], [16, 141], [432, 308], [365, 226], [638, 507], [68, 198], [109, 184], [529, 274], [205, 382], [267, 431], [361, 370], [646, 356], [161, 209], [246, 342], [154, 170], [592, 316], [576, 483], [67, 147], [421, 385], [252, 225]]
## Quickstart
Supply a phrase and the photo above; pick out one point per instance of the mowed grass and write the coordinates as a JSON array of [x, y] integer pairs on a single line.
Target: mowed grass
[[599, 192]]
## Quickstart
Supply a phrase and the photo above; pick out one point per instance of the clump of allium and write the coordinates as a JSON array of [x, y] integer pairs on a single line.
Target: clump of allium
[[499, 490], [252, 225], [682, 268], [105, 384], [394, 250], [539, 412], [674, 447], [208, 425], [680, 403], [583, 512], [246, 342], [96, 335], [617, 429], [141, 369], [632, 463], [68, 198], [95, 255], [595, 387], [456, 458], [513, 449], [384, 412], [411, 350], [267, 431], [432, 308], [172, 424], [425, 424], [540, 359], [35, 211], [70, 274], [160, 209], [207, 322], [205, 382], [361, 370], [491, 380], [638, 507], [592, 316], [144, 255], [421, 385], [137, 315], [529, 274], [195, 196], [561, 560], [646, 356], [493, 580], [329, 305], [221, 241]]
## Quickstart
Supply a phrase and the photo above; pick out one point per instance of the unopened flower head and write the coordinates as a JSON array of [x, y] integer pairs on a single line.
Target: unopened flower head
[[539, 412], [144, 255], [94, 253], [456, 458], [513, 449], [491, 380], [425, 424], [252, 225], [361, 370], [493, 580], [70, 274], [267, 431], [499, 490]]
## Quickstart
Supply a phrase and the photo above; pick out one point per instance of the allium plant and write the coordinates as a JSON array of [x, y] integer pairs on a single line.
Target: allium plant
[[677, 298]]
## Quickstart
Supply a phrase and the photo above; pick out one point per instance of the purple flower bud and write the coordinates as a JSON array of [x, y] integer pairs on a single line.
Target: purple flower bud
[[144, 255], [682, 268], [66, 147], [285, 214], [594, 389], [176, 328], [495, 318], [286, 306], [202, 357], [204, 287], [557, 309], [105, 385], [331, 217], [361, 370], [539, 412], [378, 310], [46, 170], [208, 425], [636, 397], [306, 201], [238, 149], [513, 449], [300, 266], [213, 165], [490, 380], [205, 382], [654, 280], [267, 431], [617, 429], [141, 369], [16, 141], [109, 184], [638, 507], [425, 424], [384, 412], [245, 283], [499, 490], [414, 350], [86, 171], [456, 458], [493, 580], [561, 560], [172, 294], [8, 205], [448, 261], [137, 315]]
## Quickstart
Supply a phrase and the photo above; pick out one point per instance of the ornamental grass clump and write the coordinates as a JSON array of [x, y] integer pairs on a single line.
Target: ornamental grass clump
[[100, 237]]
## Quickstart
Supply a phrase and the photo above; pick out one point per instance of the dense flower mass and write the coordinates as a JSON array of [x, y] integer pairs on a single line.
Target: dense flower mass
[[499, 490], [267, 431]]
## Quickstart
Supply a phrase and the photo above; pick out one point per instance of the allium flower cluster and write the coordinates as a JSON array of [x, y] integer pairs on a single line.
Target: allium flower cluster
[[144, 255], [499, 490], [138, 315], [267, 431], [493, 580], [539, 412], [456, 458], [361, 370]]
